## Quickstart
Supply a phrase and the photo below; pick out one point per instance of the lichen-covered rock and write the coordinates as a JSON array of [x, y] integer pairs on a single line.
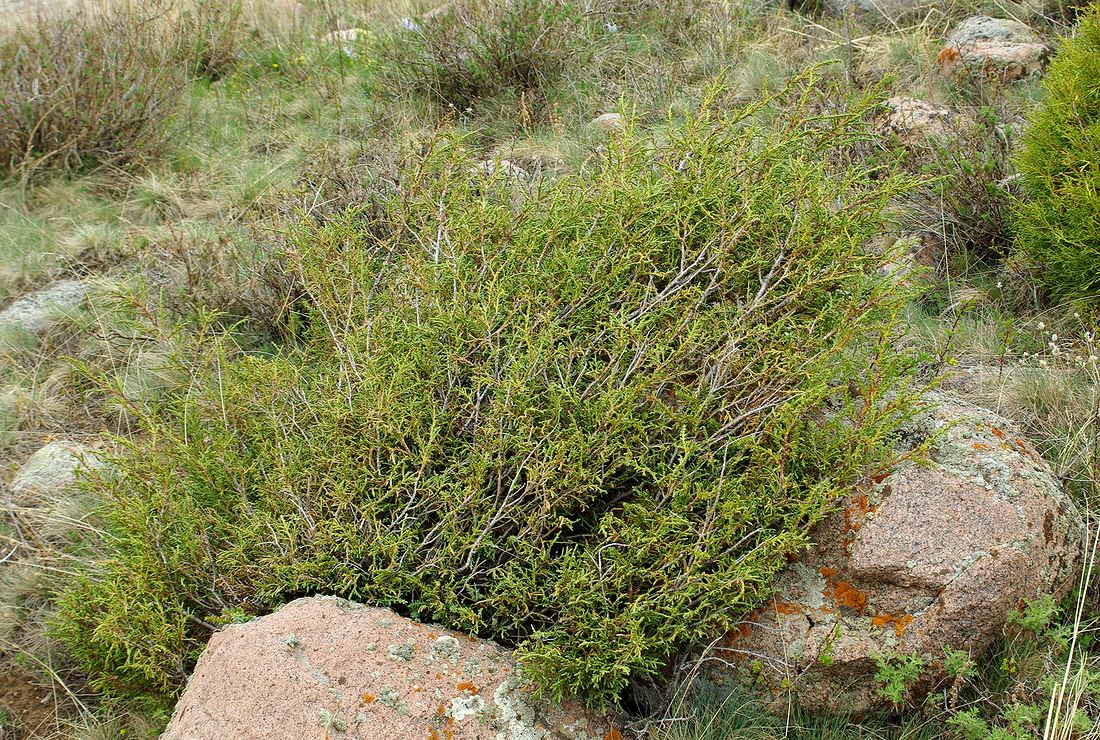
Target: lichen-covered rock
[[931, 555], [36, 313], [608, 123], [915, 121], [325, 667], [503, 170], [993, 48]]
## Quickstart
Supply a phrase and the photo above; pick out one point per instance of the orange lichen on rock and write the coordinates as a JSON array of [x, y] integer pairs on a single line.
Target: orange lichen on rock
[[949, 55], [739, 631], [899, 623], [467, 686], [785, 608], [368, 698], [736, 634], [827, 572], [982, 446], [855, 513], [856, 509], [845, 594]]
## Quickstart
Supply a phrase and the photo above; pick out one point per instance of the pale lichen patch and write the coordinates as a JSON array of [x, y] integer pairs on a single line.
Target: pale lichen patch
[[391, 698], [446, 648], [465, 706], [515, 712], [402, 651]]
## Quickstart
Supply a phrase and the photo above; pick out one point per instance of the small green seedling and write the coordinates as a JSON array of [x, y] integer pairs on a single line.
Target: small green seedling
[[896, 675]]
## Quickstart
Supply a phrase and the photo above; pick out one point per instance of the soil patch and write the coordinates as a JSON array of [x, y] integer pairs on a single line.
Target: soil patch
[[26, 709]]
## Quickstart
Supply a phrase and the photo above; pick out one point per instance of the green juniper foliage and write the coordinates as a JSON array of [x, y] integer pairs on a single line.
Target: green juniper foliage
[[589, 418], [1056, 222]]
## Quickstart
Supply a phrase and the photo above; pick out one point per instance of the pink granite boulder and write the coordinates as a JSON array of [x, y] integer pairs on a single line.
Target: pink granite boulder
[[993, 48], [328, 668], [933, 554]]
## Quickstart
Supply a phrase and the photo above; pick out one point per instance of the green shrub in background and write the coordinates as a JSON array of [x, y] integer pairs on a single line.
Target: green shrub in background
[[590, 418], [91, 88], [209, 37], [478, 49], [534, 60], [1058, 219], [964, 205]]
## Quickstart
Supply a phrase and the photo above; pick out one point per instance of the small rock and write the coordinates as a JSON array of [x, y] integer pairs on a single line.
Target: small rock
[[877, 11], [609, 123], [36, 313], [43, 496], [347, 38], [930, 556], [347, 34], [51, 472], [914, 121], [993, 48], [248, 684], [500, 169]]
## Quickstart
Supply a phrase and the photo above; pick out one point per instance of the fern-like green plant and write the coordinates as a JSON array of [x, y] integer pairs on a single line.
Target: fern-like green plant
[[1057, 220], [896, 675]]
